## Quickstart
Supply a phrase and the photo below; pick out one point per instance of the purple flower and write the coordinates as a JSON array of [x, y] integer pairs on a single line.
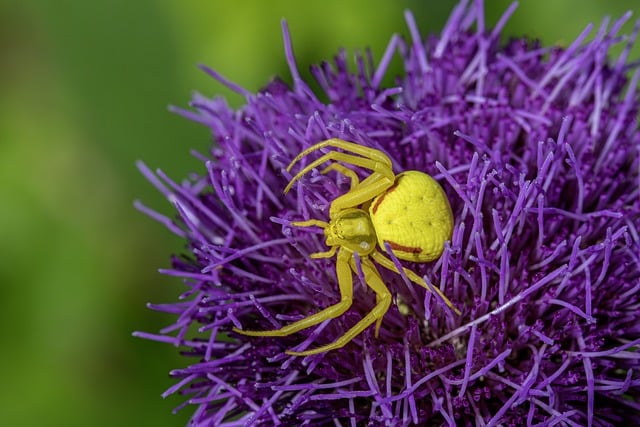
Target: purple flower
[[538, 150]]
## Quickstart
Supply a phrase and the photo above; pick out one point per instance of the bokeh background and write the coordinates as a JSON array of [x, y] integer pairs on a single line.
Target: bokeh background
[[84, 89]]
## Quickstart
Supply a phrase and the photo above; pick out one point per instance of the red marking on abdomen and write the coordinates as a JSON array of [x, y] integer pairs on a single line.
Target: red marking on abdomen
[[374, 208], [398, 247]]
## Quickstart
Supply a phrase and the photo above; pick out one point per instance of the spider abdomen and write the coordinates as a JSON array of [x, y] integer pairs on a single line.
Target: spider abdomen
[[413, 216]]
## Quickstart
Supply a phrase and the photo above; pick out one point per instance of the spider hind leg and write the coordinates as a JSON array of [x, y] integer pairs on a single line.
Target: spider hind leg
[[345, 282], [383, 301]]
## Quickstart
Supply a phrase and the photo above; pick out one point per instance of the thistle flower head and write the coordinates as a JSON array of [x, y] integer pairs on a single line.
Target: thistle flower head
[[538, 150]]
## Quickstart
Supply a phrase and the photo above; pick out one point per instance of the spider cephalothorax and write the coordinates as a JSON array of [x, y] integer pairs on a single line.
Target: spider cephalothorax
[[408, 214], [351, 230]]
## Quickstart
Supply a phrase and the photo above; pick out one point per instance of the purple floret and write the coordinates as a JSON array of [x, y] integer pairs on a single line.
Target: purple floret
[[538, 149]]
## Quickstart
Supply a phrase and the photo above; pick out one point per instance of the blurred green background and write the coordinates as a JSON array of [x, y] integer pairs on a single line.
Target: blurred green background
[[84, 87]]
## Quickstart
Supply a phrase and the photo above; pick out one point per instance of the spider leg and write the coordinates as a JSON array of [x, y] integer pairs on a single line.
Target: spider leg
[[388, 264], [349, 173], [316, 223], [310, 223], [372, 186], [327, 254], [345, 282], [383, 301], [377, 167], [352, 147]]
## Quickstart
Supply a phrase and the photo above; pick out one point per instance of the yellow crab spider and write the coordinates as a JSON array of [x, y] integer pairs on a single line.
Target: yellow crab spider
[[410, 212]]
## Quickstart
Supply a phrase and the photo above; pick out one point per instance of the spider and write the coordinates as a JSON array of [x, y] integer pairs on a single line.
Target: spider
[[409, 212]]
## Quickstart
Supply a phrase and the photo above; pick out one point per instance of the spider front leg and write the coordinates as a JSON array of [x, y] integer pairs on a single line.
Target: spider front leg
[[381, 178], [372, 186], [343, 170], [382, 170], [345, 282], [351, 147], [383, 301]]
